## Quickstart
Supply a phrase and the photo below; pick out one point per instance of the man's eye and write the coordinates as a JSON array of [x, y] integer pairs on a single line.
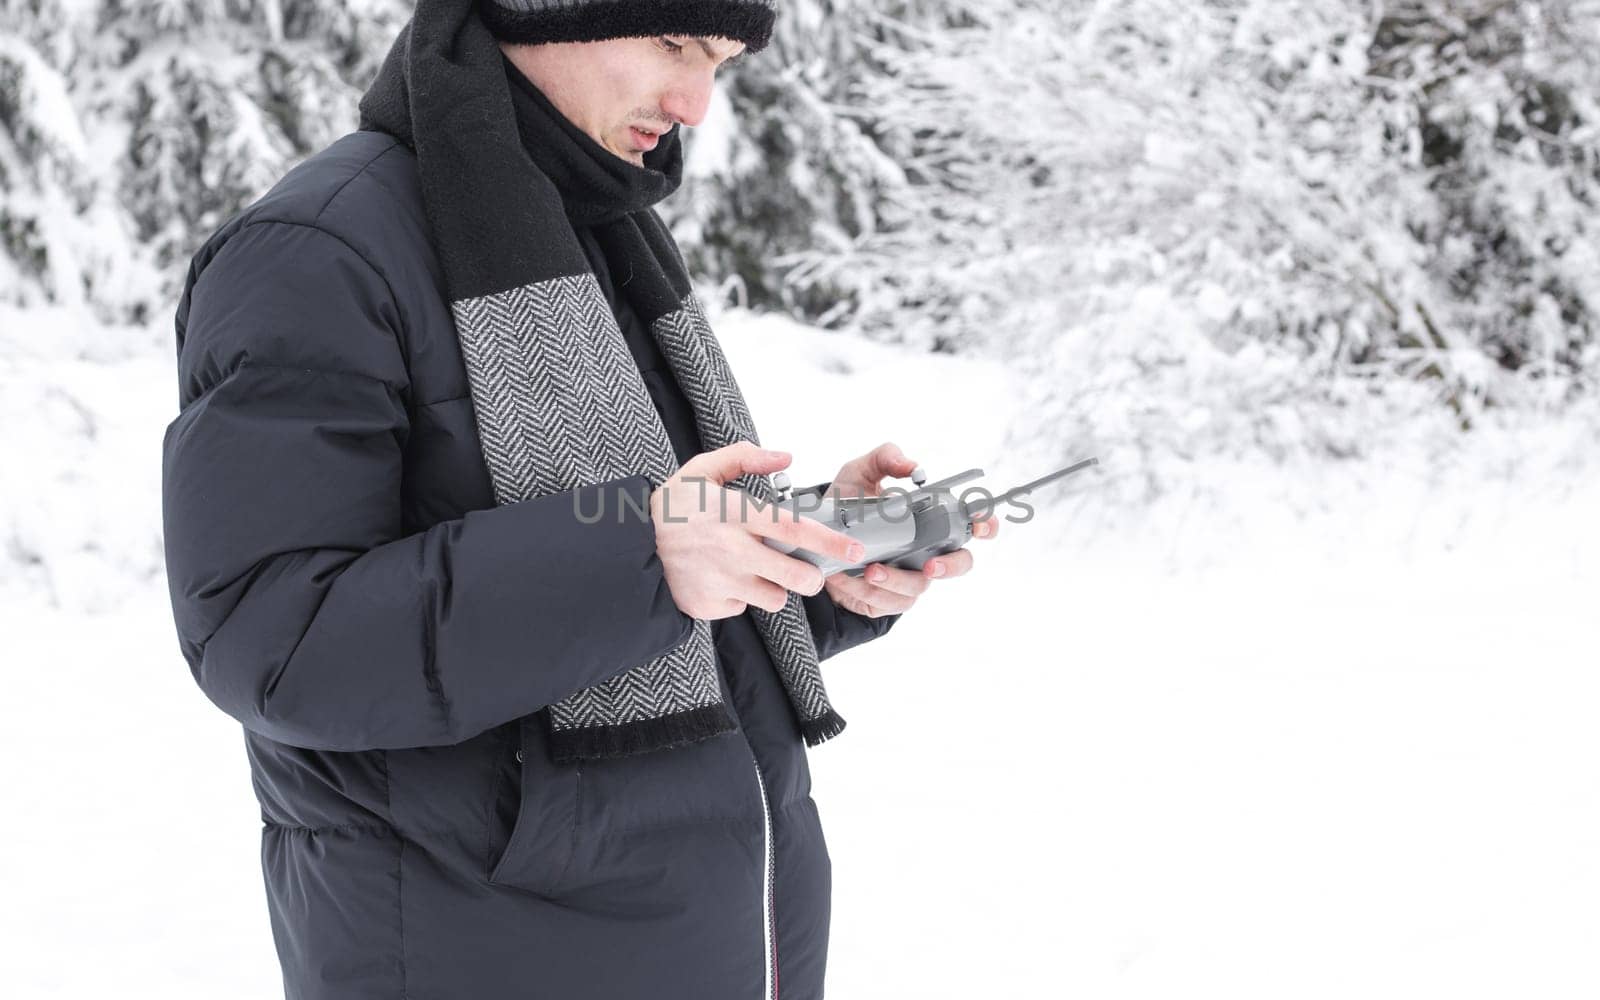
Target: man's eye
[[670, 45]]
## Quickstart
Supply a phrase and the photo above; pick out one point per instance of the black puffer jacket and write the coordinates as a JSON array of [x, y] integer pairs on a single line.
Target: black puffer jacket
[[345, 587]]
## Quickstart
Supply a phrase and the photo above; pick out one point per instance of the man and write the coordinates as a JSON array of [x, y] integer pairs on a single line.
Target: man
[[505, 747]]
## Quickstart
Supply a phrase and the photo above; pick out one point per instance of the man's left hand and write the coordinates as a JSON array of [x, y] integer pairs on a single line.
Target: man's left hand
[[882, 589]]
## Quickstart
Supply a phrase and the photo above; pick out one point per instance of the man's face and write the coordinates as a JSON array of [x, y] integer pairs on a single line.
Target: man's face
[[627, 92]]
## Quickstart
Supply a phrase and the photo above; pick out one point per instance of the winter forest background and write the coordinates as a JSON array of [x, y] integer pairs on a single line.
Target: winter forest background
[[1318, 282]]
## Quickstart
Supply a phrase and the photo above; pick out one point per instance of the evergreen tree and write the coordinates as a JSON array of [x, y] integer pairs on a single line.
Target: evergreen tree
[[1408, 193]]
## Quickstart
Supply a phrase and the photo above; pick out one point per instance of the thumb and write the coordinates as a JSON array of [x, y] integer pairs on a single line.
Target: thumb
[[737, 459], [888, 460]]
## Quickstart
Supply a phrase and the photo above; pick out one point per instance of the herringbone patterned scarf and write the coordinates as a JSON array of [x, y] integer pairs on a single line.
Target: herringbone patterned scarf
[[559, 400]]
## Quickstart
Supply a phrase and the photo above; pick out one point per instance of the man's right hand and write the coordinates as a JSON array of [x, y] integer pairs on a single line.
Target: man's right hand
[[708, 537]]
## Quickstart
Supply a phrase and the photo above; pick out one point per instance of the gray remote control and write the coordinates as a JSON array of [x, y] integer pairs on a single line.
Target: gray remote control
[[901, 528]]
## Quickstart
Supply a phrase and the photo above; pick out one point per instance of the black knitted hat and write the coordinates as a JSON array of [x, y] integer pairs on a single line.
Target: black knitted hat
[[535, 21]]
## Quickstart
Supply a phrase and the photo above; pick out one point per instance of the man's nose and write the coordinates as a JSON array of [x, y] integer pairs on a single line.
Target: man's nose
[[689, 99]]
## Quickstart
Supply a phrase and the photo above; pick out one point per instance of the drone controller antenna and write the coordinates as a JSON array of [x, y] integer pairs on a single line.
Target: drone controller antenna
[[982, 508]]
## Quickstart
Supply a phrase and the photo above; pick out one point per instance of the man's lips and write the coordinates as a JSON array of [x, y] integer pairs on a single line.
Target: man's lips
[[644, 141]]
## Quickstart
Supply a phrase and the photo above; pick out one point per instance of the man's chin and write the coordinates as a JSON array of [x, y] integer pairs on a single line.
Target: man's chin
[[632, 156]]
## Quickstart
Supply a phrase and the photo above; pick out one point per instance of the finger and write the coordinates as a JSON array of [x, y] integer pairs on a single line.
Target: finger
[[804, 533], [886, 460], [881, 599], [864, 476], [788, 572], [740, 458], [911, 583], [763, 594], [860, 607], [851, 592], [889, 603], [951, 564], [986, 528]]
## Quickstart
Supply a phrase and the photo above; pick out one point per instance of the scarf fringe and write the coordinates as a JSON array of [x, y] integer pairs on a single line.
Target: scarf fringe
[[570, 746], [824, 727]]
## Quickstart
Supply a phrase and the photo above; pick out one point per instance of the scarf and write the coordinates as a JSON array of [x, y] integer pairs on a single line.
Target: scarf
[[559, 401]]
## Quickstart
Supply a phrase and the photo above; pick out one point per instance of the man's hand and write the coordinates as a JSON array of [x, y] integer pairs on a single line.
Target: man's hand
[[708, 537], [889, 590]]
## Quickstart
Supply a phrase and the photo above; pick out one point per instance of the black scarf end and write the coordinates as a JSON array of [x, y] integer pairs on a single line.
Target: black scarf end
[[570, 746], [823, 727]]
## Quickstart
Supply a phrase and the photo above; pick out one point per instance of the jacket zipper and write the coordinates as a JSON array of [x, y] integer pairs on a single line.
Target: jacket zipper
[[769, 865]]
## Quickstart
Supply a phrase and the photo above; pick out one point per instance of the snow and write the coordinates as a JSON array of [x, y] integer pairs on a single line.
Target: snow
[[1309, 729], [42, 90]]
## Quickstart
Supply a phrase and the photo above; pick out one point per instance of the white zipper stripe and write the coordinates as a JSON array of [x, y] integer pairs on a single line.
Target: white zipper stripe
[[770, 957]]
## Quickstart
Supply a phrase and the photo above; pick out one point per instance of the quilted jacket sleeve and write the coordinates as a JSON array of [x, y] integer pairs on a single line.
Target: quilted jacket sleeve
[[301, 609], [835, 629]]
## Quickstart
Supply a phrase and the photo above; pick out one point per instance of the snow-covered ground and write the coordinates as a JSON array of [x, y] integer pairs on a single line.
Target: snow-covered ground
[[1247, 745]]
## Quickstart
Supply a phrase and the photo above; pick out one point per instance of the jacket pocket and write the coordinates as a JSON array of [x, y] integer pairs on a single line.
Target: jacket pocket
[[545, 799]]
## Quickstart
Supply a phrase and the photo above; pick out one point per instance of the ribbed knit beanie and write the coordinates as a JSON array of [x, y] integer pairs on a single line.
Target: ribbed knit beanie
[[535, 21]]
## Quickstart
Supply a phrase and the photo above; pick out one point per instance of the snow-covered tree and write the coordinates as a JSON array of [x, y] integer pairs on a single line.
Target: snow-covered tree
[[1189, 221], [1404, 191], [131, 128]]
